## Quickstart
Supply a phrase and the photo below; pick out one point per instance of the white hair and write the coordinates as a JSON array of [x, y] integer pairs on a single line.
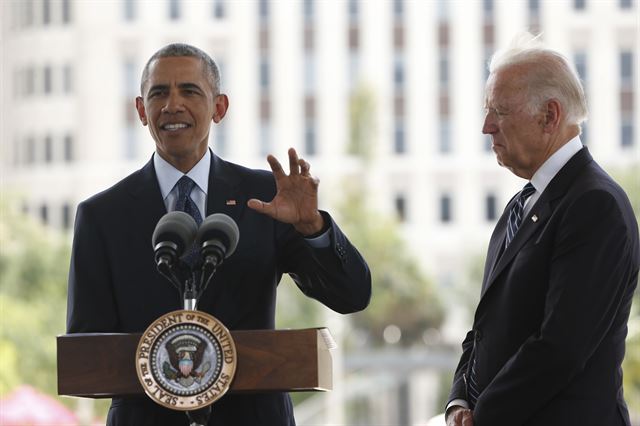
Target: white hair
[[550, 76]]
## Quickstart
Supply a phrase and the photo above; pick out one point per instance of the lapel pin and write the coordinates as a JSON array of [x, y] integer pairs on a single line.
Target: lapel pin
[[231, 202], [534, 218]]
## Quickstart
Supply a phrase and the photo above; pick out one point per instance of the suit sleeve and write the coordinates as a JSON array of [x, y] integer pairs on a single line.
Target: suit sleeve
[[459, 387], [336, 275], [90, 301], [589, 276]]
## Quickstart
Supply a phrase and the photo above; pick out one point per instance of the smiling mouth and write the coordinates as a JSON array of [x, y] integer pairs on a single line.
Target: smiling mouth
[[172, 127]]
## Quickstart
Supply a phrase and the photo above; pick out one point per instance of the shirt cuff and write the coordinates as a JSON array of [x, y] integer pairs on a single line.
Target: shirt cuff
[[456, 403], [321, 241]]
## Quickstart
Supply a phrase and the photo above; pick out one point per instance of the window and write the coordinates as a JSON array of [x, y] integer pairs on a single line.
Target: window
[[44, 214], [219, 9], [443, 69], [584, 133], [30, 83], [31, 150], [626, 68], [401, 207], [263, 9], [174, 10], [579, 4], [626, 133], [487, 7], [66, 11], [534, 7], [264, 73], [626, 4], [398, 72], [445, 136], [129, 10], [66, 216], [354, 9], [580, 61], [398, 8], [310, 138], [399, 138], [68, 149], [48, 149], [445, 208], [46, 12], [67, 79], [490, 208], [47, 80], [28, 14], [308, 9]]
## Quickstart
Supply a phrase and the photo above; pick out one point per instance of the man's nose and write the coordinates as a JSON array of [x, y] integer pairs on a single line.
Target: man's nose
[[174, 103], [489, 127]]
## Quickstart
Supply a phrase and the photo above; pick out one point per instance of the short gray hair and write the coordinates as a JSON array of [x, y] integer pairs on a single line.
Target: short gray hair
[[182, 49], [551, 76]]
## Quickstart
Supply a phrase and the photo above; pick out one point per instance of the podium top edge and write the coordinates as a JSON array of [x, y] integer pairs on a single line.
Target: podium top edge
[[323, 330]]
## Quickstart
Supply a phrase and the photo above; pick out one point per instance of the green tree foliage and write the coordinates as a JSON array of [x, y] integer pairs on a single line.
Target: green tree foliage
[[33, 274], [402, 295], [630, 181]]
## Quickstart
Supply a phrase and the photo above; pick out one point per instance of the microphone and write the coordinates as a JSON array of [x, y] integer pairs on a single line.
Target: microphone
[[174, 233], [218, 238]]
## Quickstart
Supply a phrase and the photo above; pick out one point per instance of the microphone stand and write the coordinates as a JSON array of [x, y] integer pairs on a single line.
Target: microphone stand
[[199, 417]]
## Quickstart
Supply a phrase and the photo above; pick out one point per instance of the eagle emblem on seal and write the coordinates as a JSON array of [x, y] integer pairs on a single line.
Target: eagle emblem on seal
[[185, 358]]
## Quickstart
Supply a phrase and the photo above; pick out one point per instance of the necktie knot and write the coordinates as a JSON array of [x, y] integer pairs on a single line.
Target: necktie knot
[[515, 214], [185, 203], [527, 191], [185, 186]]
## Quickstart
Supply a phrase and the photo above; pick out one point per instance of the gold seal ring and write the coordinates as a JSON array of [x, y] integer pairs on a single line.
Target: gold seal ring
[[186, 360]]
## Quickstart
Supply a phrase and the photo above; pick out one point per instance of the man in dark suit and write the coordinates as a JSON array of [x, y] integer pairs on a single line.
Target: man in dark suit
[[549, 331], [113, 282]]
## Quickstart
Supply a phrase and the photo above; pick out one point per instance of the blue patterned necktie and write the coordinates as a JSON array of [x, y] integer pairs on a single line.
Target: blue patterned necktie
[[186, 204], [515, 215]]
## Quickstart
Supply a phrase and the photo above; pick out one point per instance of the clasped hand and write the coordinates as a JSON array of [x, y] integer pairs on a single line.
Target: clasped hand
[[296, 199]]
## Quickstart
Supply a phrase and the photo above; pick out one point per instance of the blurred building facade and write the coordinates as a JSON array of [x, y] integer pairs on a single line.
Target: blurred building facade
[[295, 72]]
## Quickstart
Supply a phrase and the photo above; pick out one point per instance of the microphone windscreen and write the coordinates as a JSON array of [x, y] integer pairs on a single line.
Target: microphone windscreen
[[177, 227], [219, 226]]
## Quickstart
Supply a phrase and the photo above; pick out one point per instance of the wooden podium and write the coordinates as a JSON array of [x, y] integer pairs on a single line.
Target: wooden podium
[[98, 365]]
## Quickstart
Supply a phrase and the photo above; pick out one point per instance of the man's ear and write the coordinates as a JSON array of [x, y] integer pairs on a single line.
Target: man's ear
[[221, 104], [141, 111], [552, 112]]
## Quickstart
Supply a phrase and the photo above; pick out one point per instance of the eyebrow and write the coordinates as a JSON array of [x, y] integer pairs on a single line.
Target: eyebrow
[[182, 86]]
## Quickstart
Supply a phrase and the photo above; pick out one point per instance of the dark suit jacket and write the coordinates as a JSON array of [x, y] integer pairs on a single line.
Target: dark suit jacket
[[114, 285], [549, 330]]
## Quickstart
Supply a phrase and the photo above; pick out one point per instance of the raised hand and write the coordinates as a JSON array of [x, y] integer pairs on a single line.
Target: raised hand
[[296, 200]]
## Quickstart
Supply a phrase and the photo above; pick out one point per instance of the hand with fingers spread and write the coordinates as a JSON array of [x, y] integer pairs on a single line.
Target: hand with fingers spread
[[296, 199]]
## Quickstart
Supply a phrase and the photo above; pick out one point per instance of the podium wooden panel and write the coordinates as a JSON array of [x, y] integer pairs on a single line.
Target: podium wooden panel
[[99, 365]]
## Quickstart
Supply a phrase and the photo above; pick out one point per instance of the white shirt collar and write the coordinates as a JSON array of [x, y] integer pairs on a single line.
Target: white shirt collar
[[552, 166], [168, 175]]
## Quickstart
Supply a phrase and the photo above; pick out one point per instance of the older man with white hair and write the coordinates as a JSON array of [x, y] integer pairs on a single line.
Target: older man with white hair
[[548, 335]]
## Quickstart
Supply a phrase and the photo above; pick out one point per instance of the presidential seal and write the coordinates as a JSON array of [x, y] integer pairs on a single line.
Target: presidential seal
[[186, 360]]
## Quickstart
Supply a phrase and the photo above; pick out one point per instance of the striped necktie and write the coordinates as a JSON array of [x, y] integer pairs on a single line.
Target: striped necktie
[[515, 215], [186, 204]]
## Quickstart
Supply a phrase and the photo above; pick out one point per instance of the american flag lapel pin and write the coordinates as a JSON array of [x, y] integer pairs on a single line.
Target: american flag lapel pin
[[534, 218], [231, 202]]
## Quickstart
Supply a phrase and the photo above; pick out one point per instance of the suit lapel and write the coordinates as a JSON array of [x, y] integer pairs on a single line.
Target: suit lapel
[[225, 193], [535, 220], [148, 206]]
